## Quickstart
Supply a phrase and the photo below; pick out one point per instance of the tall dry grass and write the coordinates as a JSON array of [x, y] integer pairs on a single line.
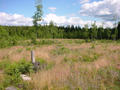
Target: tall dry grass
[[75, 73]]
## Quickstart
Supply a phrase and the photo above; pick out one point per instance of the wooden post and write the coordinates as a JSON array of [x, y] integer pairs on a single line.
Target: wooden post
[[32, 57]]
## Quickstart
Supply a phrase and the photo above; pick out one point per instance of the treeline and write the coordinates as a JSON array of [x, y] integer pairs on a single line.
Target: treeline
[[11, 34]]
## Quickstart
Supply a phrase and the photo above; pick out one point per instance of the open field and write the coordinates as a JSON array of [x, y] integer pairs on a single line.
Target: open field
[[74, 64]]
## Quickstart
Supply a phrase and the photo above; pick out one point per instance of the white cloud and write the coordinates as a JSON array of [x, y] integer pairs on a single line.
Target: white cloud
[[77, 21], [53, 9], [15, 19], [56, 19], [105, 9], [84, 1]]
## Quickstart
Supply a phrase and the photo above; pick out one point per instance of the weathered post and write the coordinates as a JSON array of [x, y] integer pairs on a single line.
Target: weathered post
[[32, 57]]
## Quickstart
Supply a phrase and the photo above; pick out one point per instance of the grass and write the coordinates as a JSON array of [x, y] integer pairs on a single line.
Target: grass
[[69, 65], [44, 64], [19, 50], [60, 50]]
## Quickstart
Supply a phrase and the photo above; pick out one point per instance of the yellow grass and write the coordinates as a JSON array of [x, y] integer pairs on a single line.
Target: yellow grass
[[59, 74]]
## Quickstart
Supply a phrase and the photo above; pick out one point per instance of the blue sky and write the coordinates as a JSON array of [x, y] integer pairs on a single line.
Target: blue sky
[[69, 11], [26, 7]]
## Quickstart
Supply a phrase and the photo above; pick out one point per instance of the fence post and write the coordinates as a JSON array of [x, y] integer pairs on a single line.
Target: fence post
[[32, 57]]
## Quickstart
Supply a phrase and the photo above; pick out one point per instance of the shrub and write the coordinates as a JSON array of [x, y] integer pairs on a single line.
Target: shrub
[[25, 67], [19, 50], [92, 46], [30, 48], [46, 42], [79, 41], [13, 71], [50, 65], [87, 58], [1, 86], [88, 40], [44, 64], [33, 41], [4, 43], [90, 58], [70, 60], [12, 76], [41, 61], [60, 51], [4, 64]]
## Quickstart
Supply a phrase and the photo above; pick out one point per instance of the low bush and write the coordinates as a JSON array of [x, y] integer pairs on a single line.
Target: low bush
[[90, 58], [12, 75], [70, 60], [13, 70], [79, 41], [4, 64], [19, 50], [25, 66], [46, 42], [60, 51], [44, 64]]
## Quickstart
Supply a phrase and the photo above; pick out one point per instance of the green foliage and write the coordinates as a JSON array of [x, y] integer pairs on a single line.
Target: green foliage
[[93, 46], [1, 87], [79, 41], [46, 42], [38, 15], [60, 51], [16, 35], [13, 70], [41, 61], [12, 76], [94, 31], [30, 48], [19, 50], [118, 28], [4, 64], [70, 60], [46, 65], [25, 66], [90, 58], [33, 41], [50, 65], [21, 67]]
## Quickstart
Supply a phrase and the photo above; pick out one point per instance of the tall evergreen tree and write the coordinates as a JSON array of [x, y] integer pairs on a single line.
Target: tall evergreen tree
[[118, 27]]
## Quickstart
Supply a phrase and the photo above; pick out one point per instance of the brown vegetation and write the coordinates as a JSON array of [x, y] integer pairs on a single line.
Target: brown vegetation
[[106, 54]]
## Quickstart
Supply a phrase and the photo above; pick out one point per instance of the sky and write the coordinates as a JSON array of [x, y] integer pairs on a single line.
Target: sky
[[61, 12]]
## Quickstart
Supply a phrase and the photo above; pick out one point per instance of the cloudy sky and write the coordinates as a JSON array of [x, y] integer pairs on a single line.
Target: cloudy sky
[[61, 12]]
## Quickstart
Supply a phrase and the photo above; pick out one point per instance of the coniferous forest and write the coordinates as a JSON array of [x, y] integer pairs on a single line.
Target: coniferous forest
[[9, 35]]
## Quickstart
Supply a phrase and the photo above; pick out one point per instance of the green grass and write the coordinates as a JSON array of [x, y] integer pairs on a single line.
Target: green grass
[[30, 48], [12, 72], [60, 50], [19, 50], [90, 58], [45, 64]]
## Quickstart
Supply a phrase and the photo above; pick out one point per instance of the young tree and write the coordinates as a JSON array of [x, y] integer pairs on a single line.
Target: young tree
[[85, 32], [37, 16], [100, 32], [94, 31], [53, 29]]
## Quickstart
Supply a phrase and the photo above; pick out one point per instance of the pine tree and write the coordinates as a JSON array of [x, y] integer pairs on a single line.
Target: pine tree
[[118, 27]]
